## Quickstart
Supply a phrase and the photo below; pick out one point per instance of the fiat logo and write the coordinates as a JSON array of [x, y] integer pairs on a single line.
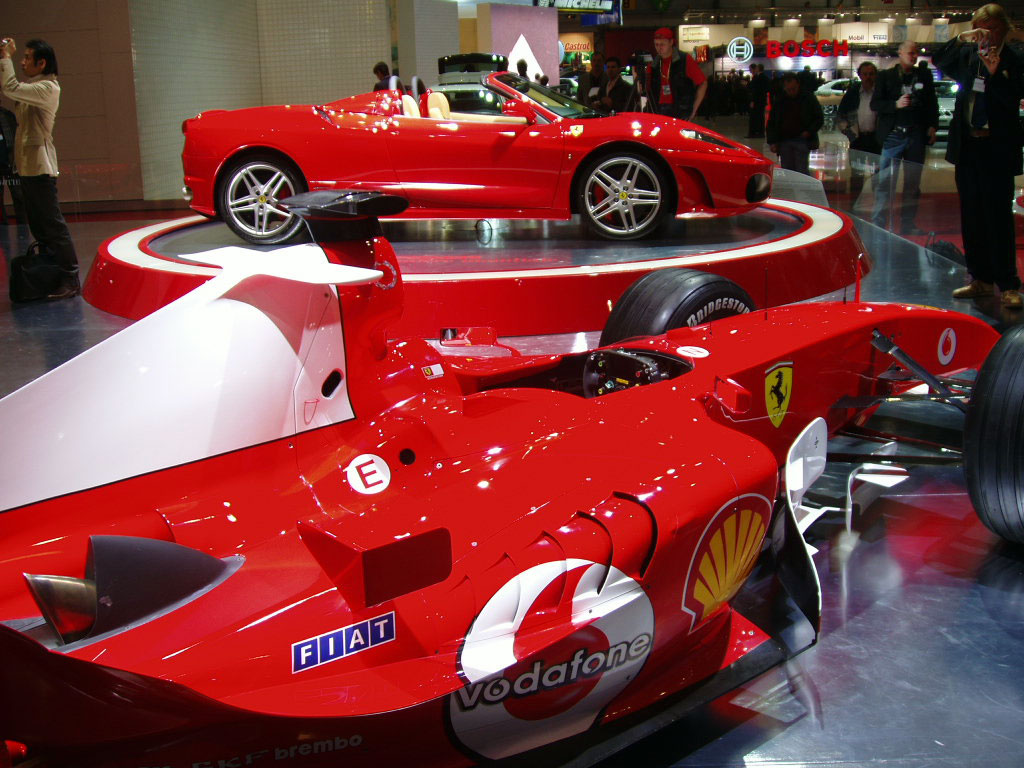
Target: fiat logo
[[740, 49]]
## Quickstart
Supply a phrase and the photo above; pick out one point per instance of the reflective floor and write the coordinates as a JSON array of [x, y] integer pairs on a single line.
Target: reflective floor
[[436, 247], [918, 662]]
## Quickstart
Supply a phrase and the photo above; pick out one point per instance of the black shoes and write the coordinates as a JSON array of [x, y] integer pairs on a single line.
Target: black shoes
[[67, 288]]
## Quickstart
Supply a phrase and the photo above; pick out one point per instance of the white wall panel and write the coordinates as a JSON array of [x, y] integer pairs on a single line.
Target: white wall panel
[[427, 30], [317, 51], [195, 55], [190, 56]]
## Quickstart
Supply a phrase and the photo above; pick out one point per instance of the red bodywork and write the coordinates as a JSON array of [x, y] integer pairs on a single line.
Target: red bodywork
[[462, 168], [537, 564]]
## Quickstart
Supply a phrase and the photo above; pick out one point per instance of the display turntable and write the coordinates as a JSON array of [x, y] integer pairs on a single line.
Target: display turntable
[[522, 278]]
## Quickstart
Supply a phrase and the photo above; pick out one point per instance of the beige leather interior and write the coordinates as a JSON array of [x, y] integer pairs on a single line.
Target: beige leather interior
[[409, 106], [472, 117], [437, 106]]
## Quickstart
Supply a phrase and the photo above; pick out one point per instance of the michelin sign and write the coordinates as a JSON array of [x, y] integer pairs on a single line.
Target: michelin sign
[[579, 6]]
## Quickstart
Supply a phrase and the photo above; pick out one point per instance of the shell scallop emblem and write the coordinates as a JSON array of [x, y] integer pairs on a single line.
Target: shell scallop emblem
[[725, 555]]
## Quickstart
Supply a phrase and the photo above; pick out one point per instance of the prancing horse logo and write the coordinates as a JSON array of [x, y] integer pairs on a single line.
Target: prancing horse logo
[[778, 386]]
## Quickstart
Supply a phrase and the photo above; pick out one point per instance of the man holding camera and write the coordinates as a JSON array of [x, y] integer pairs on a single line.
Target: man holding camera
[[36, 100], [985, 141], [908, 116]]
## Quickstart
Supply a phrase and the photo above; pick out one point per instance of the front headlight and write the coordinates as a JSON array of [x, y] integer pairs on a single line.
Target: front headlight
[[689, 133]]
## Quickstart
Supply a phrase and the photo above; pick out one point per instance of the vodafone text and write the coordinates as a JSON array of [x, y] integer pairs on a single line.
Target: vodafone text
[[540, 678]]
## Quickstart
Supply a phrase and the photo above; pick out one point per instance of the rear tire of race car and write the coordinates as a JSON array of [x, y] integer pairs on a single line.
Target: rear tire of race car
[[623, 196], [994, 439], [247, 199], [673, 298]]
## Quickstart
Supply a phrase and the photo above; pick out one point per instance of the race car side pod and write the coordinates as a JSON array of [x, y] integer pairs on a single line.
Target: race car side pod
[[886, 345]]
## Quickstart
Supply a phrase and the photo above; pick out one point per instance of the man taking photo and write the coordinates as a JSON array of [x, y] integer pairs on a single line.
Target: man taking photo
[[36, 100]]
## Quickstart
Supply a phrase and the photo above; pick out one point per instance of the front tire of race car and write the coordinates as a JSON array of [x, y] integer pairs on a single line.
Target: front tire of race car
[[623, 196], [672, 298], [248, 199], [994, 439]]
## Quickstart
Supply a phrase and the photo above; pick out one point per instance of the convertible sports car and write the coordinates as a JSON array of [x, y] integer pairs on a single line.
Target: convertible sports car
[[264, 533], [543, 156]]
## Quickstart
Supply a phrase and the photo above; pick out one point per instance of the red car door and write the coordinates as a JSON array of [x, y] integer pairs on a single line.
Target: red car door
[[464, 164]]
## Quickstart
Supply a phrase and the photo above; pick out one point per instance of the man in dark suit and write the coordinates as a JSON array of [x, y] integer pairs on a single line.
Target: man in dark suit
[[793, 125], [908, 116], [758, 101], [613, 95], [985, 140], [855, 113], [859, 122]]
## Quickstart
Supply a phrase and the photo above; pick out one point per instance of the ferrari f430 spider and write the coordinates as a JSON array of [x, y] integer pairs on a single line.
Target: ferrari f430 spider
[[543, 156]]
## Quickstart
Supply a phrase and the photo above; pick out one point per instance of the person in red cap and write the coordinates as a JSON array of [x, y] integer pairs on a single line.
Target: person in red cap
[[677, 86]]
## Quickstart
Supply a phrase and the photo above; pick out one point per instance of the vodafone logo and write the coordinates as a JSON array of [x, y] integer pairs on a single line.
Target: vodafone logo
[[947, 346], [547, 653]]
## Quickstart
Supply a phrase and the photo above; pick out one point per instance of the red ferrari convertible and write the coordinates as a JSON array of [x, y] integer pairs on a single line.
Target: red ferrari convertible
[[265, 534], [542, 156]]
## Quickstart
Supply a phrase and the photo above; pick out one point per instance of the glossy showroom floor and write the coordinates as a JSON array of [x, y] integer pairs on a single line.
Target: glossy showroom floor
[[918, 662]]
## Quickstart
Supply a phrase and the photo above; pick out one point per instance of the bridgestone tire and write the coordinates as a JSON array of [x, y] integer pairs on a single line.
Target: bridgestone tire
[[994, 439], [673, 298]]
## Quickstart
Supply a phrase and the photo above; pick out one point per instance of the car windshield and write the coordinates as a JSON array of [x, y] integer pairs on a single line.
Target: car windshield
[[561, 105], [946, 89]]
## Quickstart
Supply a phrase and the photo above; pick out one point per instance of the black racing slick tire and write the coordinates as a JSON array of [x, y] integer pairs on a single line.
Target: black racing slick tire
[[248, 195], [994, 439], [623, 196], [672, 298]]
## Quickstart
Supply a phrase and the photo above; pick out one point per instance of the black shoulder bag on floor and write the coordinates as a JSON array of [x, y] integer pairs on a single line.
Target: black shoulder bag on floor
[[35, 275]]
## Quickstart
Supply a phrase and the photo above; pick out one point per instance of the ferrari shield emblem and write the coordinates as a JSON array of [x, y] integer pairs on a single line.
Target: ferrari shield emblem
[[778, 386], [576, 130]]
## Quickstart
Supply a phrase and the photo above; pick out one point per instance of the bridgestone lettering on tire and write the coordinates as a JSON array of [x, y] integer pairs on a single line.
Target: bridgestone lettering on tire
[[672, 298], [994, 439], [249, 195]]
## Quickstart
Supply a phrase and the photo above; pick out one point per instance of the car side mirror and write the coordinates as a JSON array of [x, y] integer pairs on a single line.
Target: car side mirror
[[517, 108]]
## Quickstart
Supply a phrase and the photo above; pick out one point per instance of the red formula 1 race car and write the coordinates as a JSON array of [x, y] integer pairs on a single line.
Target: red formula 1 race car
[[543, 156], [264, 533]]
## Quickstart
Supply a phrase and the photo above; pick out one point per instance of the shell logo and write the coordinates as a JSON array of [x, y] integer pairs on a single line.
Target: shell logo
[[725, 555], [546, 654]]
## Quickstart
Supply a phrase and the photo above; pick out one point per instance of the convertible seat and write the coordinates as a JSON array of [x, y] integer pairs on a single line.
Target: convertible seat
[[473, 117], [437, 106], [409, 107]]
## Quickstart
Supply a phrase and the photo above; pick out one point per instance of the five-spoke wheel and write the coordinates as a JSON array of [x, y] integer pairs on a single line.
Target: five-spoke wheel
[[249, 199], [622, 197]]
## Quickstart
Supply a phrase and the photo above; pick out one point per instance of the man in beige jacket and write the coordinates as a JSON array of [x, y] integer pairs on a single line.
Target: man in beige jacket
[[35, 159]]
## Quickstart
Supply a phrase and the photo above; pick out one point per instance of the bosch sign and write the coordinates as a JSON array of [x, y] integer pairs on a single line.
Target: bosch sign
[[773, 49]]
